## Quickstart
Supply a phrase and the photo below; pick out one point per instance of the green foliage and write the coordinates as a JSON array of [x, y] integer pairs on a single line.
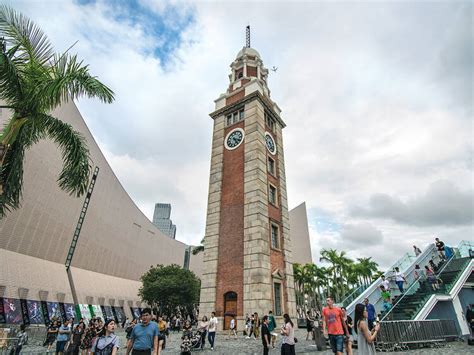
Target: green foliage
[[336, 280], [34, 80], [170, 288]]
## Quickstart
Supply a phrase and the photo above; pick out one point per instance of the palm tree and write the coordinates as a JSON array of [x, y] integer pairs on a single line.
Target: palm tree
[[367, 268], [33, 82], [199, 249]]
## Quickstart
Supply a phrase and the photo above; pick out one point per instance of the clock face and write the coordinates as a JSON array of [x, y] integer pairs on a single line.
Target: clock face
[[271, 146], [234, 138]]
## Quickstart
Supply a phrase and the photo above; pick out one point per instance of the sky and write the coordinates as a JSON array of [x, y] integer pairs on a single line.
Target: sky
[[377, 97]]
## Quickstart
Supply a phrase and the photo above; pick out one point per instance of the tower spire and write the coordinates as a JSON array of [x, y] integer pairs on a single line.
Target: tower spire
[[247, 37]]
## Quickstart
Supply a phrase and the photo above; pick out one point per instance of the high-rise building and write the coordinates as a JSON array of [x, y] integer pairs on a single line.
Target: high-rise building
[[161, 219], [247, 257]]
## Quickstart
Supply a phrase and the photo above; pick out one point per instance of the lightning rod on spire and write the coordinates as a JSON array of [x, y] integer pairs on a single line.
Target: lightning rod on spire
[[247, 36]]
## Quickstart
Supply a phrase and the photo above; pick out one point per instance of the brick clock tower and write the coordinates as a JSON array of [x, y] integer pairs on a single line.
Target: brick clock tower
[[247, 256]]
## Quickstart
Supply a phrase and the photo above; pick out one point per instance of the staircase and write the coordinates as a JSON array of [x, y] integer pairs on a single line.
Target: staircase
[[407, 306]]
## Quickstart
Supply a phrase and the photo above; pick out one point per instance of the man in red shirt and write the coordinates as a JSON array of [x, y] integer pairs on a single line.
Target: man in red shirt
[[334, 326]]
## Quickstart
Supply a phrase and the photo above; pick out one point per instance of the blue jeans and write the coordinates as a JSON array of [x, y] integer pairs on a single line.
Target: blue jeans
[[211, 336], [337, 343], [400, 285]]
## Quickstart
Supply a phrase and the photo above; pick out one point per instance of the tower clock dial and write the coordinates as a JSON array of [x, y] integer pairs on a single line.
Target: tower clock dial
[[270, 143], [234, 138]]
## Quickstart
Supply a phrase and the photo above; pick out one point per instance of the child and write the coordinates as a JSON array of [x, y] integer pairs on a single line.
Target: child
[[186, 345]]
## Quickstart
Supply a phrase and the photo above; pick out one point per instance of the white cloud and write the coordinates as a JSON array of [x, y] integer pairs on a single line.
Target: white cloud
[[376, 96]]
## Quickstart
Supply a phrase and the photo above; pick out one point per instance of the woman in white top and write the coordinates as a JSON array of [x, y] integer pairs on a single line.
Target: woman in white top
[[365, 338], [288, 332], [202, 329]]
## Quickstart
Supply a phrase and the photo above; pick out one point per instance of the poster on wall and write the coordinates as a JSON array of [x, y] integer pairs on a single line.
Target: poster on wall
[[53, 310], [69, 310], [34, 312], [135, 312], [108, 313], [2, 313], [119, 314], [24, 312], [12, 310], [85, 312], [97, 311], [44, 311]]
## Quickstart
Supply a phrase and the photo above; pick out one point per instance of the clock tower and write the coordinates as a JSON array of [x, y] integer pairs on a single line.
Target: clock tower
[[247, 255]]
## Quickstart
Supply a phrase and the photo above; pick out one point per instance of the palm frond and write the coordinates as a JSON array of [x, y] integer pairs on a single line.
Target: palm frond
[[11, 82], [74, 177], [70, 79], [19, 30], [12, 168]]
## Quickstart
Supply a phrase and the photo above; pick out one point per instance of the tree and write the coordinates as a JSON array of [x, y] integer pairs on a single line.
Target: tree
[[170, 288], [33, 82], [199, 249]]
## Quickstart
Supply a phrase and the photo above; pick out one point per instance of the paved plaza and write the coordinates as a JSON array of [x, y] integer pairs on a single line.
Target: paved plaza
[[246, 346]]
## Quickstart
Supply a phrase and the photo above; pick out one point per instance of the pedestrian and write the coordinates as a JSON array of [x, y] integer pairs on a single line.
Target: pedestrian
[[106, 343], [266, 337], [87, 339], [334, 327], [385, 283], [288, 333], [211, 336], [256, 328], [144, 337], [251, 326], [370, 313], [247, 325], [399, 279], [163, 330], [386, 299], [416, 250], [22, 340], [431, 277], [51, 335], [202, 329], [77, 334], [309, 325], [271, 327], [350, 339], [440, 246], [63, 337], [232, 328], [470, 318], [365, 337]]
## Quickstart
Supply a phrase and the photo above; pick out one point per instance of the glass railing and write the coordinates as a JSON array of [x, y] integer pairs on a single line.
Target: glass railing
[[449, 274], [464, 247], [353, 295]]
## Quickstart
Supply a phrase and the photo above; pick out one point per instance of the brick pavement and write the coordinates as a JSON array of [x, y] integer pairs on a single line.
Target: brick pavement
[[246, 346]]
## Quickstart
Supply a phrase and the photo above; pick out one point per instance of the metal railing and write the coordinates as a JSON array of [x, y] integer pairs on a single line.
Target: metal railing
[[406, 334], [464, 247], [414, 287]]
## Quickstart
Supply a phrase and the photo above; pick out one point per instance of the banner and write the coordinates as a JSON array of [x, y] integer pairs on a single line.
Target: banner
[[119, 314], [2, 313], [85, 312], [44, 311], [53, 311], [24, 312], [135, 312], [12, 310], [62, 312], [69, 310], [108, 313], [97, 311], [34, 312]]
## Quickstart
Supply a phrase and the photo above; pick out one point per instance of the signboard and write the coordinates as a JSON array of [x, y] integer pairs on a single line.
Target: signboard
[[53, 311], [69, 310], [12, 311], [34, 312], [85, 312]]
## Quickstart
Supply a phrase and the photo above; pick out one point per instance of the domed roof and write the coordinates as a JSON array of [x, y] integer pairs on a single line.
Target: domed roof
[[248, 51]]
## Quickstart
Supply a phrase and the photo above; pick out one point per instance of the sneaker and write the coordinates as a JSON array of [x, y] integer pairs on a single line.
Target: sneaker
[[212, 348]]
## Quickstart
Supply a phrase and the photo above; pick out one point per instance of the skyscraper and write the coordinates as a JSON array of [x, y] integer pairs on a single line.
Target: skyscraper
[[161, 219]]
